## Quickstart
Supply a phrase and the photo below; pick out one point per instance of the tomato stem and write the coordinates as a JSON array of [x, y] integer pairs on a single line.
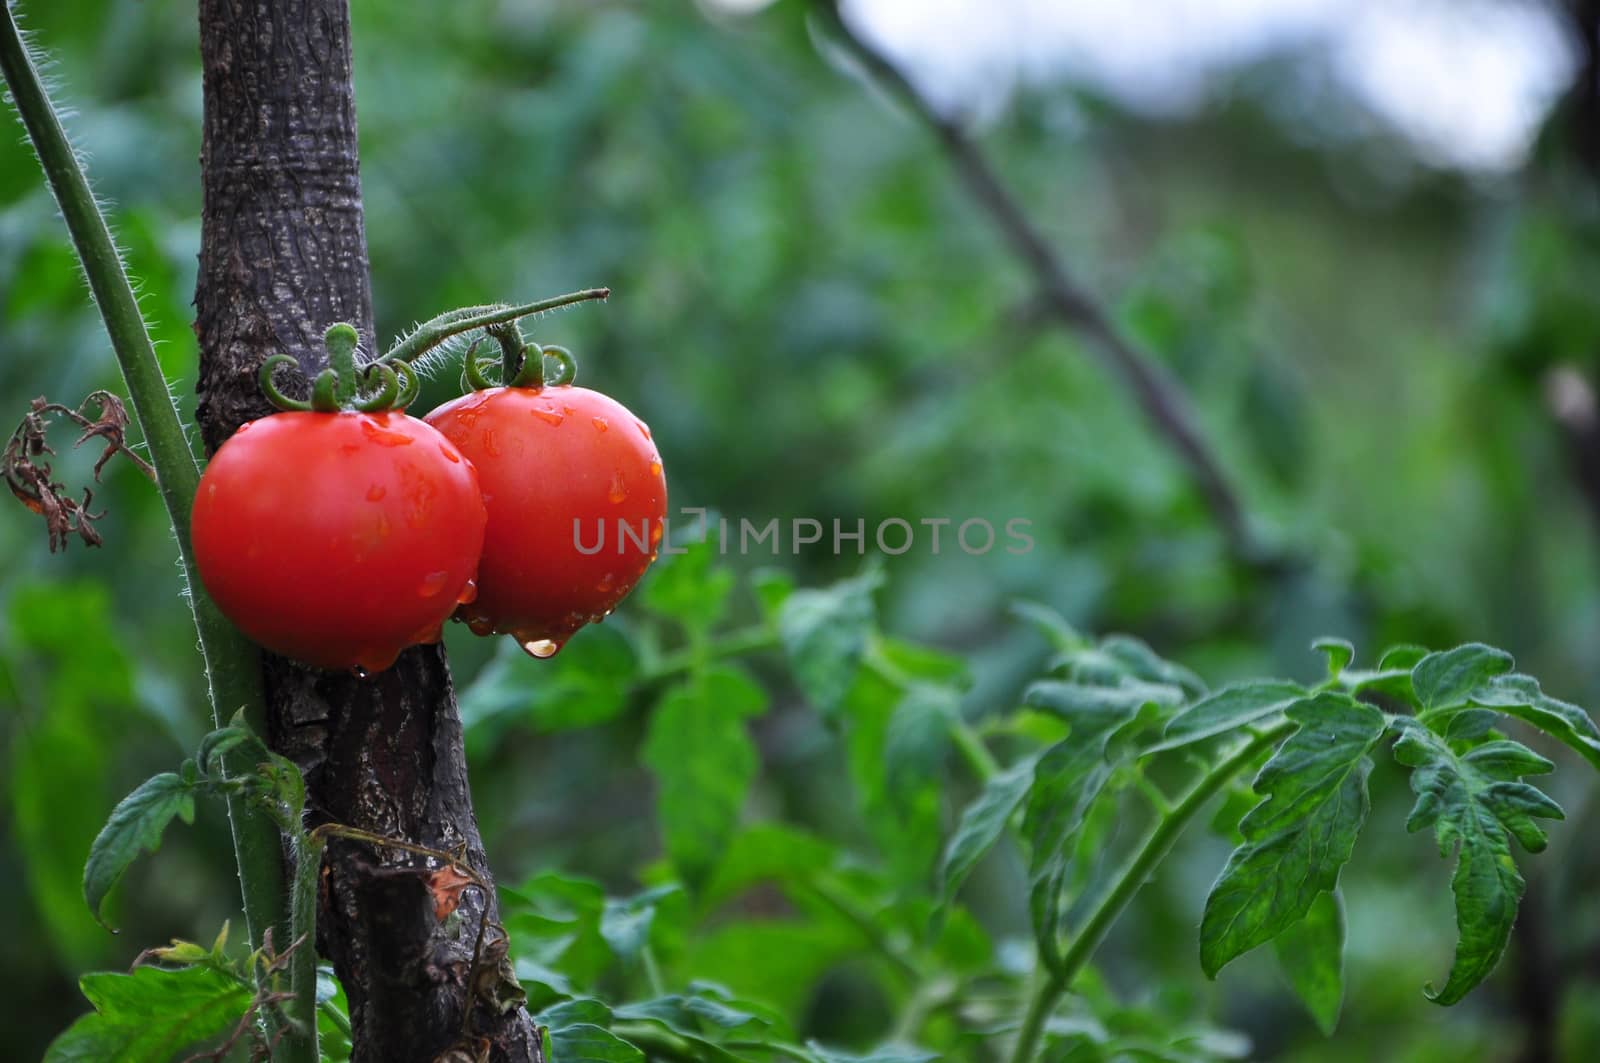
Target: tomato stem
[[233, 670], [436, 330], [1156, 845]]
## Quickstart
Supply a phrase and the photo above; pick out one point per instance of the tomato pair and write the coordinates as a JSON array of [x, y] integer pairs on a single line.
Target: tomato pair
[[340, 537]]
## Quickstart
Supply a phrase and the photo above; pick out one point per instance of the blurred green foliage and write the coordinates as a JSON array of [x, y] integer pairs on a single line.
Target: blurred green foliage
[[817, 323]]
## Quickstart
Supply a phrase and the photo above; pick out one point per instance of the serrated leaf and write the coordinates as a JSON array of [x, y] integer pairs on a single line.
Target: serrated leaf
[[703, 760], [1520, 696], [150, 1015], [135, 826], [1314, 802], [1067, 779], [587, 1043], [1230, 708], [1441, 680], [1141, 662], [824, 633], [1476, 803], [982, 822], [1311, 955], [1339, 653]]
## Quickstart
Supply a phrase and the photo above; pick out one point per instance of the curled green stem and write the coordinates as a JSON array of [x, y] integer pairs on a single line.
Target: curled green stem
[[568, 371], [271, 390]]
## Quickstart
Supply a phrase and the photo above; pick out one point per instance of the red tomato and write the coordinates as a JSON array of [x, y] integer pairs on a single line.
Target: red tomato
[[338, 539], [576, 499]]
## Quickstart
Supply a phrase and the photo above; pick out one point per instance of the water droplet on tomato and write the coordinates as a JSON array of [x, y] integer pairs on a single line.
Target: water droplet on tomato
[[655, 538], [599, 423], [568, 410], [376, 492], [361, 672], [432, 584], [607, 581], [547, 416], [382, 436], [644, 429], [450, 453], [619, 490], [541, 648], [480, 625], [491, 443], [655, 468], [469, 593]]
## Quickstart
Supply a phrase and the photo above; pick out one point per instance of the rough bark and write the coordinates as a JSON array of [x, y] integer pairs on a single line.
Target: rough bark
[[283, 255]]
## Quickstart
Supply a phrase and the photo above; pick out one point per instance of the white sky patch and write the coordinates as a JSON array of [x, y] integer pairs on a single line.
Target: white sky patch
[[1467, 81]]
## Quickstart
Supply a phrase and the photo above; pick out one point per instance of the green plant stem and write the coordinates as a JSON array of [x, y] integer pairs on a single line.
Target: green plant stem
[[1156, 846], [825, 891], [340, 1020], [962, 735], [753, 639], [299, 1044], [233, 670]]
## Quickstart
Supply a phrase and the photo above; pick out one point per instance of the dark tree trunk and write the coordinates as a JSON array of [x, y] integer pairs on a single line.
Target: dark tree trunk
[[283, 255]]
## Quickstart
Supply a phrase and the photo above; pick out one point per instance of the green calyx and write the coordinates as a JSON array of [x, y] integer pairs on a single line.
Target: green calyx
[[345, 386], [522, 365]]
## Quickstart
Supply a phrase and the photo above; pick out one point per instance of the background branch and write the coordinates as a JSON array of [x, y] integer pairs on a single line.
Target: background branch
[[1158, 395]]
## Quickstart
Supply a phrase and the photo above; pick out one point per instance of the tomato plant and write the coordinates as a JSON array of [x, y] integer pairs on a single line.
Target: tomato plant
[[576, 495], [338, 538]]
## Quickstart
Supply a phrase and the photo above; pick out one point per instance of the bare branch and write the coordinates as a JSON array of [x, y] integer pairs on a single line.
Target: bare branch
[[1158, 395]]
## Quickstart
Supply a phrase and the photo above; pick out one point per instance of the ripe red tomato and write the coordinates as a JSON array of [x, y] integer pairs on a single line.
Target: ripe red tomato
[[338, 539], [576, 499]]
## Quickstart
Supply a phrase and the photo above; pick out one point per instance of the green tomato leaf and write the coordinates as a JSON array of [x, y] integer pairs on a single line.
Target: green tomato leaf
[[1067, 779], [1520, 696], [764, 852], [1141, 662], [625, 924], [824, 633], [982, 823], [1051, 624], [1476, 803], [575, 1012], [1314, 802], [1228, 709], [586, 684], [587, 1043], [1339, 652], [150, 1015], [1311, 955], [889, 1054], [688, 586], [703, 761], [1445, 679], [917, 736], [135, 826]]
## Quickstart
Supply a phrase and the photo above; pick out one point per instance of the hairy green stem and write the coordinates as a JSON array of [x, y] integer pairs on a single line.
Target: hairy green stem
[[233, 670], [299, 1044], [436, 330], [1156, 846]]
